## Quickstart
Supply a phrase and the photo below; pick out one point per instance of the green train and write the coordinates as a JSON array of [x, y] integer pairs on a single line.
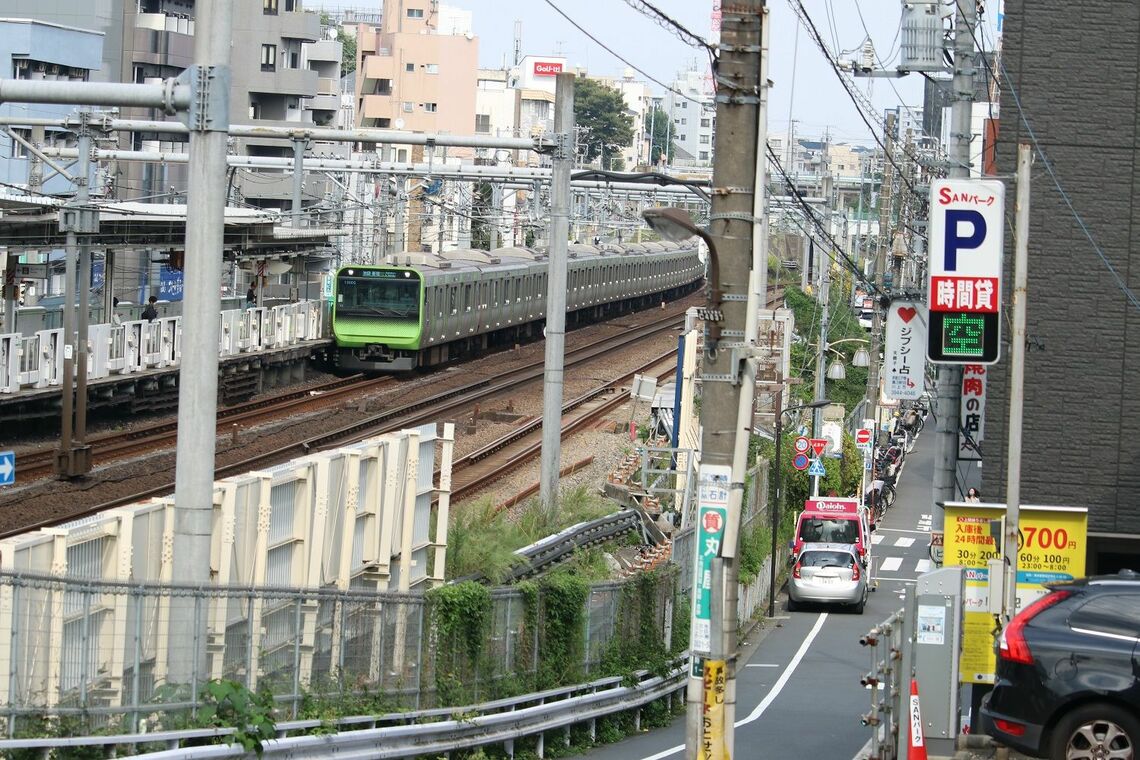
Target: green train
[[424, 309]]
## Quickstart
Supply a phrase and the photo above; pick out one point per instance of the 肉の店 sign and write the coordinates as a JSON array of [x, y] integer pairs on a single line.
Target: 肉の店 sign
[[905, 364], [972, 413], [966, 244]]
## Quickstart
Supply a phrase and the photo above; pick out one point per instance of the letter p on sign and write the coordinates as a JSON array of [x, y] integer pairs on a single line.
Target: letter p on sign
[[956, 219]]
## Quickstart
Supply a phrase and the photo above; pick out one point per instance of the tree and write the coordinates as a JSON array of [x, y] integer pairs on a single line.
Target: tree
[[607, 128], [660, 132], [348, 54]]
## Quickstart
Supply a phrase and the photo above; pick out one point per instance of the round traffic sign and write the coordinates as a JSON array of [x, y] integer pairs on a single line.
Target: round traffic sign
[[801, 461], [801, 445], [862, 436]]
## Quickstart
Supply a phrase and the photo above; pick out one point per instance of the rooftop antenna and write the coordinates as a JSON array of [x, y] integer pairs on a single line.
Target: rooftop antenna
[[518, 41]]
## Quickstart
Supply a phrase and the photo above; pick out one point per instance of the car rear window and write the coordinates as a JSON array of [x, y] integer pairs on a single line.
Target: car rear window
[[827, 559], [830, 531], [1116, 614]]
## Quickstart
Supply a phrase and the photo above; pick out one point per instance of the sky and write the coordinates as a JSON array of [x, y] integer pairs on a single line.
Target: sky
[[818, 102]]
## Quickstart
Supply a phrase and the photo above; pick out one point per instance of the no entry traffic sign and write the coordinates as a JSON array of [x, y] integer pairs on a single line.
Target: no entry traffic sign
[[863, 437]]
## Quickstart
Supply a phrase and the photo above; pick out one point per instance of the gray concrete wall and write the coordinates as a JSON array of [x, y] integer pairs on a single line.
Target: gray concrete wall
[[1076, 73]]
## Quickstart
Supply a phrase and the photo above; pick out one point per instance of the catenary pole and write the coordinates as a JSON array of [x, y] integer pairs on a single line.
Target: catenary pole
[[198, 377], [1019, 304], [556, 291], [949, 379], [728, 369]]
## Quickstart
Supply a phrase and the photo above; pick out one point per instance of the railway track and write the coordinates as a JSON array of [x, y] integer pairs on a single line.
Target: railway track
[[109, 447], [407, 415]]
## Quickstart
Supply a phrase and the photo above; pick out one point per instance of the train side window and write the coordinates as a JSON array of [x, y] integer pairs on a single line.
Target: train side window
[[451, 300], [467, 297]]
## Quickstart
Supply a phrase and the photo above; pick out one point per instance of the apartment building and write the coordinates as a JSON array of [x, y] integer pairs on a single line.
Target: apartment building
[[692, 115]]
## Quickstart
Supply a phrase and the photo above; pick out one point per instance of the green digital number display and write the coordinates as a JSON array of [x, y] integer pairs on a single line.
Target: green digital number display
[[963, 337]]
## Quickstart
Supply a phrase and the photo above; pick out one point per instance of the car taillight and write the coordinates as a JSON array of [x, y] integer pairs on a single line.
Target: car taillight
[[1009, 727], [796, 570], [1011, 644], [855, 572]]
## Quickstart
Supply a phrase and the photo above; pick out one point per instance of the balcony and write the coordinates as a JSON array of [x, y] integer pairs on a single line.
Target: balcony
[[301, 26], [324, 50], [287, 82], [323, 103]]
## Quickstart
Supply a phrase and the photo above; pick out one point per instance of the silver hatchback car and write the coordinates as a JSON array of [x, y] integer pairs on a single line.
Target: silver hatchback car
[[829, 574]]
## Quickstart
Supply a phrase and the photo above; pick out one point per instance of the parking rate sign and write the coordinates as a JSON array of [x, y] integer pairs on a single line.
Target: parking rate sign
[[966, 244]]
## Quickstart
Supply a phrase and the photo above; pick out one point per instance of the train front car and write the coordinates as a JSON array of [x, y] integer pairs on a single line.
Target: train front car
[[377, 318]]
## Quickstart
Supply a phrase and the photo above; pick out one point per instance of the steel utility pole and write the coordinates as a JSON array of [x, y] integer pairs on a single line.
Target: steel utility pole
[[556, 291], [885, 201], [949, 380], [1019, 302], [738, 279], [198, 380]]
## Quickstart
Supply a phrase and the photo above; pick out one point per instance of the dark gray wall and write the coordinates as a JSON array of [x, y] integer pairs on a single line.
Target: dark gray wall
[[1075, 69]]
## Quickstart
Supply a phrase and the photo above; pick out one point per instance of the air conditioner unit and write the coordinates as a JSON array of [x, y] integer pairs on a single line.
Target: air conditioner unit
[[20, 64]]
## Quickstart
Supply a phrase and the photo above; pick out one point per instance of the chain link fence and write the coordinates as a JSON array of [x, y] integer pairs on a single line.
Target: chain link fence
[[102, 653]]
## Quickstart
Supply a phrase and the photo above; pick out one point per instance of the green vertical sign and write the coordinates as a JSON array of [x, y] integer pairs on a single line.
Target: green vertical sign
[[712, 514]]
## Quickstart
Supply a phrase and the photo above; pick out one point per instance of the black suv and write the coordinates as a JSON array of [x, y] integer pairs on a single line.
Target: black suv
[[1068, 673]]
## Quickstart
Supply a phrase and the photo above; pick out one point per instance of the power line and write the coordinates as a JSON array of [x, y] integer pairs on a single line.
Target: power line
[[663, 20], [1120, 283], [617, 55]]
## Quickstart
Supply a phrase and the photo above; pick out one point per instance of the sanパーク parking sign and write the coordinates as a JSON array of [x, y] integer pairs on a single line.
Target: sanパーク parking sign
[[966, 246]]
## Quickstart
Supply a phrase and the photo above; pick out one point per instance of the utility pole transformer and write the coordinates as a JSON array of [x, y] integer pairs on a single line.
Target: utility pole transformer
[[949, 381], [737, 282]]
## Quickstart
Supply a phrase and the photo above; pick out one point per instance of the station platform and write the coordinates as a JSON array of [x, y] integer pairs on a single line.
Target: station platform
[[133, 366]]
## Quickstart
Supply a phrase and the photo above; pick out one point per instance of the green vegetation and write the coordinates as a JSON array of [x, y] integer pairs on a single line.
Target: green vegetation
[[843, 324], [660, 132], [483, 538], [607, 128]]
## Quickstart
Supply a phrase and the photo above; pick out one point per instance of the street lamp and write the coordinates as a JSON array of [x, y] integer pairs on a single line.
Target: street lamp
[[776, 502], [675, 225]]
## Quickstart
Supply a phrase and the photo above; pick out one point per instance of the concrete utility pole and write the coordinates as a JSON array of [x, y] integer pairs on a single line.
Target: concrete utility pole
[[824, 298], [737, 281], [74, 456], [556, 291], [949, 380], [1019, 302], [880, 266], [209, 121]]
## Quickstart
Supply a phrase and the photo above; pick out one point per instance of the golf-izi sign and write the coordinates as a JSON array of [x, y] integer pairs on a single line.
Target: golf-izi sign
[[966, 243]]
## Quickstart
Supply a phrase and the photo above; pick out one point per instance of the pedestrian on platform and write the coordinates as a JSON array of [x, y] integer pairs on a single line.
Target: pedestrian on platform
[[250, 298], [150, 313]]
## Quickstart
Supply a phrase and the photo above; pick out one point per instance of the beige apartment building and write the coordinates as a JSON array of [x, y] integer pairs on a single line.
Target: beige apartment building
[[417, 71]]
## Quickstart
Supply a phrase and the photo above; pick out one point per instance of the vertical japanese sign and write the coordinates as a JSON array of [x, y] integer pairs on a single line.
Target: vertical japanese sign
[[966, 244], [905, 364], [1052, 546], [170, 284], [711, 518], [712, 714], [972, 413]]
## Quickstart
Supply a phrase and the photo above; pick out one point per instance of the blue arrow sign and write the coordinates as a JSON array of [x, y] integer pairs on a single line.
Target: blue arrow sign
[[817, 468], [7, 468]]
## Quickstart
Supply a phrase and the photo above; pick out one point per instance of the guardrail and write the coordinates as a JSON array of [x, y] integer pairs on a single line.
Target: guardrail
[[396, 735], [888, 681]]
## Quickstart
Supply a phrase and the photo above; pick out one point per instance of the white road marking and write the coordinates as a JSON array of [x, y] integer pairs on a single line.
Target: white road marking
[[762, 665], [922, 566], [903, 541], [774, 692], [876, 539], [890, 564], [900, 530]]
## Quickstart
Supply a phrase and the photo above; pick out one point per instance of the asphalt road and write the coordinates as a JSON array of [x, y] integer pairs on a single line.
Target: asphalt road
[[798, 690]]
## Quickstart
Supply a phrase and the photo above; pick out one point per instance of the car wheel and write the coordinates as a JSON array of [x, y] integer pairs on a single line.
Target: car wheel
[[1095, 731], [793, 605], [858, 608]]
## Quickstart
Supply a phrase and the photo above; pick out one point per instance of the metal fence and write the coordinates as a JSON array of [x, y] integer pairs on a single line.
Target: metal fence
[[107, 659]]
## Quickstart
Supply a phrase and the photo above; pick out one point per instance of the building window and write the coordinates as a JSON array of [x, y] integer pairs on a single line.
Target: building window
[[430, 107], [292, 5], [384, 123], [415, 12], [704, 155], [705, 141], [407, 106], [682, 138], [483, 123], [704, 122], [254, 109], [431, 68], [268, 57], [684, 121], [269, 7], [409, 67], [383, 87], [402, 155], [684, 104]]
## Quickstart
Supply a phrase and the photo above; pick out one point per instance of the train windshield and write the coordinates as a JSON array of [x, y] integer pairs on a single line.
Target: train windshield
[[378, 293]]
